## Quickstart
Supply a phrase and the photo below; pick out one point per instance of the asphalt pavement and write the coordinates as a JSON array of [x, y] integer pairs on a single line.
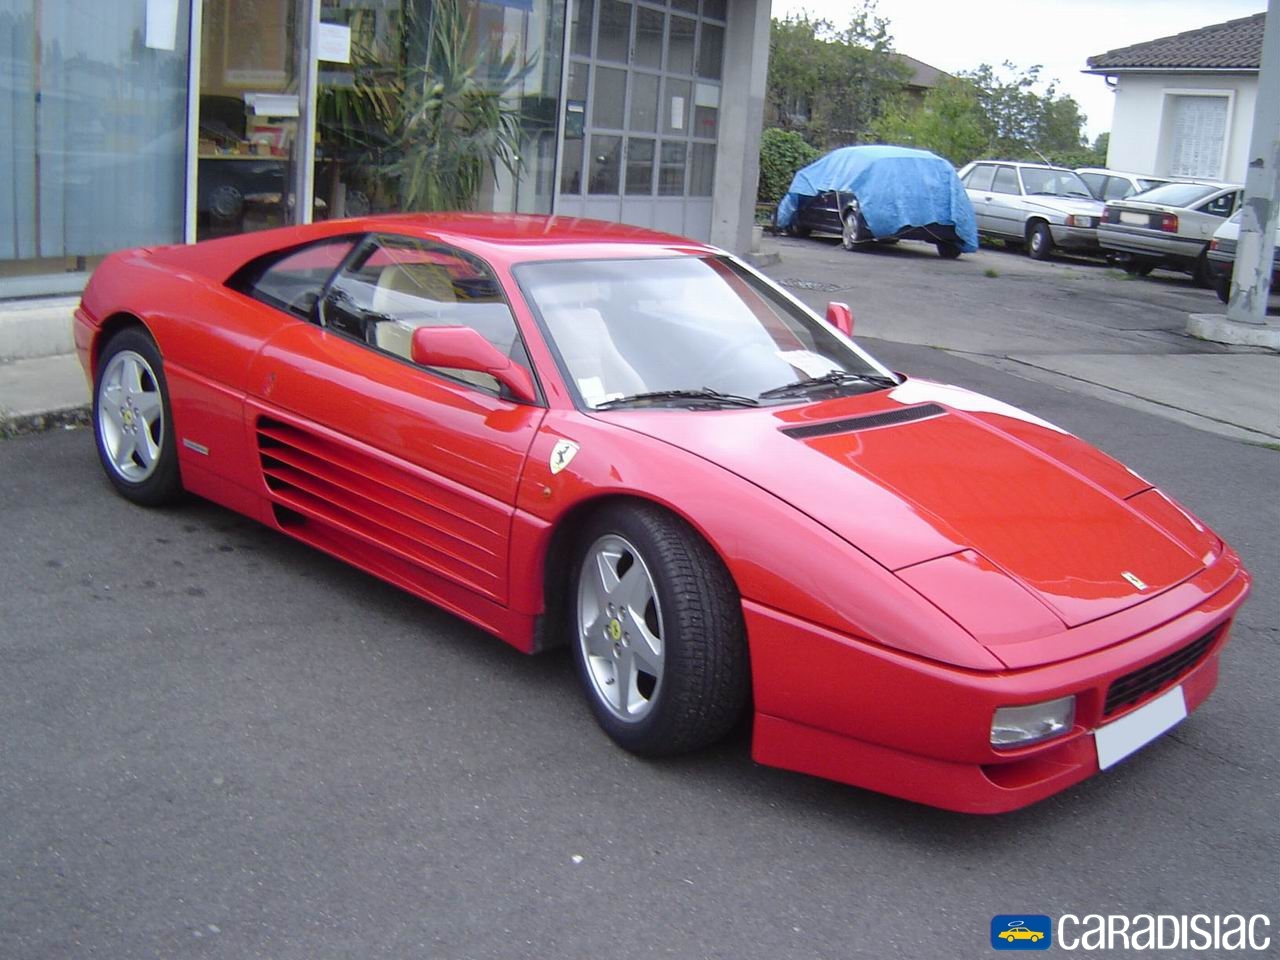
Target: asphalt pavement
[[219, 742]]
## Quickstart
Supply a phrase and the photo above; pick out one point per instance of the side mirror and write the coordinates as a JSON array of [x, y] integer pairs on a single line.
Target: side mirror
[[841, 317], [461, 348]]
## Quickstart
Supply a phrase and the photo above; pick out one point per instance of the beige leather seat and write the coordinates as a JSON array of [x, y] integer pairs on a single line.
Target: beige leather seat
[[410, 292], [594, 361]]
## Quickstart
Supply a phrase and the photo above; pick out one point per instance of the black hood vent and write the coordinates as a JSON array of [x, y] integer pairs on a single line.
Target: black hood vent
[[889, 418]]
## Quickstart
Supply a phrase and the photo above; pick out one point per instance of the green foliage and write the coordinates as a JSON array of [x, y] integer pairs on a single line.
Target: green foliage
[[986, 113], [454, 118], [830, 84], [782, 153], [948, 121]]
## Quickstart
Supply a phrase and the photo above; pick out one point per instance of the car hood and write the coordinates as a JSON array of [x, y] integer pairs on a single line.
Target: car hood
[[1065, 205], [925, 471]]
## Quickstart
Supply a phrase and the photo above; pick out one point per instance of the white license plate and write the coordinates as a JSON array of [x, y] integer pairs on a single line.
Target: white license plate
[[1137, 219], [1115, 741]]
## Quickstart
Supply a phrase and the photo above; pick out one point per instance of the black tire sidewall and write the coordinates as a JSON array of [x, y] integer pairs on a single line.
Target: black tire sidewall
[[164, 485], [1041, 248], [664, 729]]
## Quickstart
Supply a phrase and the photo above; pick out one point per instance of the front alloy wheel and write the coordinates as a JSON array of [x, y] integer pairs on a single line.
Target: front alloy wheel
[[131, 420], [660, 646]]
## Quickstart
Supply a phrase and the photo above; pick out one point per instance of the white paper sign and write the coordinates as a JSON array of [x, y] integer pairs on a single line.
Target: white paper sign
[[162, 24], [677, 113], [333, 43]]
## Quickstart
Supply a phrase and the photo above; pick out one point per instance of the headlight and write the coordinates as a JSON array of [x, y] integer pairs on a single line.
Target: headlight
[[1074, 221], [1019, 726]]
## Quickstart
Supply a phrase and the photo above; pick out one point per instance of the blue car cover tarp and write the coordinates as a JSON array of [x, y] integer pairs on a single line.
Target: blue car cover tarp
[[896, 187]]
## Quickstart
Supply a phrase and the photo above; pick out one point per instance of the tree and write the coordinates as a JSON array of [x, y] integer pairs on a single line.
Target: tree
[[983, 112], [948, 121], [782, 153], [830, 84]]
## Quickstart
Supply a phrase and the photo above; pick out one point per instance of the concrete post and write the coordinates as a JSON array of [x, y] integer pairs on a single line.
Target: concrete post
[[746, 71], [1251, 281]]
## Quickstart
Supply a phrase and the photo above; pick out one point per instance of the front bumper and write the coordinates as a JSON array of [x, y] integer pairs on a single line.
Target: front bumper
[[1074, 238], [842, 708]]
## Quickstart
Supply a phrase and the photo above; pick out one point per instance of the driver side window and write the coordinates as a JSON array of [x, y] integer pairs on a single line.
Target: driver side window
[[395, 285]]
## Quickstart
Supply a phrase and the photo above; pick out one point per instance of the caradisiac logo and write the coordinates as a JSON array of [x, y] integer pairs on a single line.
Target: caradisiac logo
[[1021, 931]]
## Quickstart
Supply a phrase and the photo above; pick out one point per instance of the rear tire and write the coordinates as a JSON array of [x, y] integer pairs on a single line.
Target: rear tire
[[1201, 272], [660, 644], [948, 251], [132, 420], [1222, 287], [1137, 267]]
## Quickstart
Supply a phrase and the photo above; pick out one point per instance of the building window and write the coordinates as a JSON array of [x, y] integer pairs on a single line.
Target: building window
[[1198, 136]]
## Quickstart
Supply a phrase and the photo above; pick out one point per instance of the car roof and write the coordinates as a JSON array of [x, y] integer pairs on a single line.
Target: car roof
[[501, 239], [1023, 163], [1124, 173]]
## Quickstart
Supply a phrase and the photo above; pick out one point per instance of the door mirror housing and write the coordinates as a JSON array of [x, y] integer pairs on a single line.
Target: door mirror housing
[[841, 317], [461, 348]]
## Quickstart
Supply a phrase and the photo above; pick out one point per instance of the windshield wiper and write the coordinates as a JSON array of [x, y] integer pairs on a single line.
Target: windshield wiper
[[833, 379], [695, 394]]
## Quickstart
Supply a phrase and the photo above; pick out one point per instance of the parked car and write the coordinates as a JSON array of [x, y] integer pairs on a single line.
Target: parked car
[[1170, 226], [1041, 206], [1116, 184], [1222, 257], [880, 193], [587, 434]]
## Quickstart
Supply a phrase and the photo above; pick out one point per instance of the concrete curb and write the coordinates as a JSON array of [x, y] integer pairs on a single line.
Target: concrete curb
[[1216, 328], [20, 424]]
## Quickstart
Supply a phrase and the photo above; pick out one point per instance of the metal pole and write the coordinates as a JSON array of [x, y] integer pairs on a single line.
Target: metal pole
[[1251, 280]]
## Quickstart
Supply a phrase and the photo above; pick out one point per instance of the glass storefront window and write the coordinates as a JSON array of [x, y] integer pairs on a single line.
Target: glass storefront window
[[671, 169], [93, 157], [640, 167], [644, 102], [580, 34], [610, 95], [680, 45], [710, 51], [649, 27], [249, 111], [605, 151], [702, 170], [613, 40]]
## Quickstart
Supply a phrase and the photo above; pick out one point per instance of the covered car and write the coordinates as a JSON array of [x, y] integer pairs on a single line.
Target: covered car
[[870, 193]]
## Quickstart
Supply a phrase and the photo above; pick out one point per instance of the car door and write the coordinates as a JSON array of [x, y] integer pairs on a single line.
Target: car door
[[1005, 214], [406, 470], [977, 185], [1208, 216]]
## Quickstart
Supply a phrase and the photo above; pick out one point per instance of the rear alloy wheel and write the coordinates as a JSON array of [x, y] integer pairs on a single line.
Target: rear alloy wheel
[[853, 229], [1040, 242], [132, 423], [660, 647]]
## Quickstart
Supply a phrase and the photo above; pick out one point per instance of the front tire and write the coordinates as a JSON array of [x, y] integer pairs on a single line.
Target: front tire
[[660, 644], [1040, 242], [132, 421], [1222, 287]]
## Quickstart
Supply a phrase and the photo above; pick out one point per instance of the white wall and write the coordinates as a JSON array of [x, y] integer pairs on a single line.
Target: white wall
[[1139, 142]]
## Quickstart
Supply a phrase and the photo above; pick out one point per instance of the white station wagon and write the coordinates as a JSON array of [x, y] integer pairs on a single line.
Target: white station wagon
[[1035, 204]]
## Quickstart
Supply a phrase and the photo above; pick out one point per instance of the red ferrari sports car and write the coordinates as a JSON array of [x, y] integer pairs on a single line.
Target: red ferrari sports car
[[575, 432]]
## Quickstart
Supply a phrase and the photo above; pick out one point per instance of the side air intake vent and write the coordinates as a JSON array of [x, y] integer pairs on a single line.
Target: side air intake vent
[[871, 421]]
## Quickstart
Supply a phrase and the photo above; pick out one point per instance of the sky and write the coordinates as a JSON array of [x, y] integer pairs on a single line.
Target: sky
[[955, 35]]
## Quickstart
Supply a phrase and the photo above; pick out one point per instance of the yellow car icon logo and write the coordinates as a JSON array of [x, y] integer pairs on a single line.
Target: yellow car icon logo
[[1019, 931]]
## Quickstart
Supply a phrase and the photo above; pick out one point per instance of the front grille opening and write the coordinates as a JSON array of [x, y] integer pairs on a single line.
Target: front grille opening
[[1154, 677]]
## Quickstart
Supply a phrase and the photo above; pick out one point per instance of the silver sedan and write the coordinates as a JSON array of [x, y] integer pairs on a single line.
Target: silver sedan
[[1168, 226]]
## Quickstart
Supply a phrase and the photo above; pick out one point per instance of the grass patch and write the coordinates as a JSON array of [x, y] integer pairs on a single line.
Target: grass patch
[[991, 272]]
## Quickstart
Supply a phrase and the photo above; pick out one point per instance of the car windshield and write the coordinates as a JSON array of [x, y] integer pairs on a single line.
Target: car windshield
[[688, 331], [1054, 183], [1178, 194]]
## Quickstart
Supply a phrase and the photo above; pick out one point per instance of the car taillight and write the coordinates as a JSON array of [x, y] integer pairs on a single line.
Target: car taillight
[[1213, 244], [1169, 222], [1108, 215]]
